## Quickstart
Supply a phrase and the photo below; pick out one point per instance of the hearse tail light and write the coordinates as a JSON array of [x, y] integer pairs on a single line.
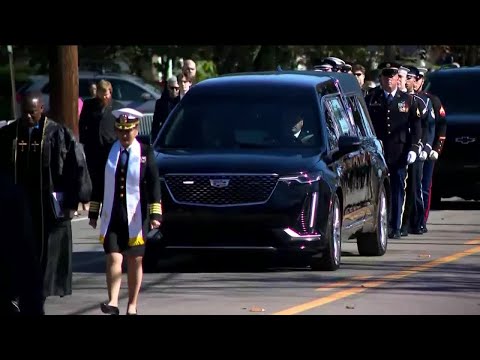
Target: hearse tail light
[[303, 177]]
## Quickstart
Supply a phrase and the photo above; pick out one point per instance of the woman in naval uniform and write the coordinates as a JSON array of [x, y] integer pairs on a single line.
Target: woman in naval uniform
[[128, 192]]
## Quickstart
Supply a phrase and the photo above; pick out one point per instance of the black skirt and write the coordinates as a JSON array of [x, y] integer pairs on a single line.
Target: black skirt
[[116, 240]]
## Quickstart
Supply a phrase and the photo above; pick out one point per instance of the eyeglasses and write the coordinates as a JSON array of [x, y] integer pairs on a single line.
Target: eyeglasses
[[358, 74]]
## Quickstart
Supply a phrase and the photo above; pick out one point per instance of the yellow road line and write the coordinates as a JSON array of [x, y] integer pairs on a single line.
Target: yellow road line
[[372, 284], [342, 283]]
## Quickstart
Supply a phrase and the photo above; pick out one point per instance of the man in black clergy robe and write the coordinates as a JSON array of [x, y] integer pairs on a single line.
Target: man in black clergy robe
[[45, 160]]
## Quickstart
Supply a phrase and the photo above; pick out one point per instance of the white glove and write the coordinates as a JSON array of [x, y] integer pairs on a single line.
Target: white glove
[[411, 157], [423, 156], [433, 155]]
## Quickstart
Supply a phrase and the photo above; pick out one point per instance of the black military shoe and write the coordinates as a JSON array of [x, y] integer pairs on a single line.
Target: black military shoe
[[394, 234], [417, 231]]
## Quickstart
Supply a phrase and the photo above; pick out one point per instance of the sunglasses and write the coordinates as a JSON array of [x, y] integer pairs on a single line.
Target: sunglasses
[[358, 74], [174, 88]]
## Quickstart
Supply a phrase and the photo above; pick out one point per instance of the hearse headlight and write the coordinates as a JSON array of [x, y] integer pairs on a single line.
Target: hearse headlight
[[303, 177]]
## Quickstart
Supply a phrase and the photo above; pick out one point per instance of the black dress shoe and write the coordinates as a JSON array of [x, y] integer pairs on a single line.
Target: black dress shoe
[[395, 235], [424, 229], [404, 232], [109, 309], [416, 231]]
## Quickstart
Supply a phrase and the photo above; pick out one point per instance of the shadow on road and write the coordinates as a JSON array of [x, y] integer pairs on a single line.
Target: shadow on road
[[458, 205]]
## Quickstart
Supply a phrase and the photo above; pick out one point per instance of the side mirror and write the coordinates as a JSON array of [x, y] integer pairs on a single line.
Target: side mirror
[[346, 145], [146, 96]]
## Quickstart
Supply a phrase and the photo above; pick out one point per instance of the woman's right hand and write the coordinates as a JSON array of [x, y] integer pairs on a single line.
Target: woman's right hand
[[93, 223]]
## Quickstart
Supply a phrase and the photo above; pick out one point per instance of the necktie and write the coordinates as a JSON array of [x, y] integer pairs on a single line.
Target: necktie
[[389, 99], [124, 158]]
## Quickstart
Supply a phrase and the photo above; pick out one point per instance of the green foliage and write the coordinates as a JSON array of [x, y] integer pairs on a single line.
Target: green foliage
[[206, 69]]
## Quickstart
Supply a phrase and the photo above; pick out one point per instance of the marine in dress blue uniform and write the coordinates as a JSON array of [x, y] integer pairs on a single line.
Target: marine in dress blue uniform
[[437, 130], [396, 118]]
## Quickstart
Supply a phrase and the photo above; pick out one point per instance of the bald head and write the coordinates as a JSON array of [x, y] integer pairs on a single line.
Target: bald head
[[32, 107]]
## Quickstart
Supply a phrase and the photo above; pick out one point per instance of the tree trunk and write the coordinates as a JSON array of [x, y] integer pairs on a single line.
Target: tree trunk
[[64, 86]]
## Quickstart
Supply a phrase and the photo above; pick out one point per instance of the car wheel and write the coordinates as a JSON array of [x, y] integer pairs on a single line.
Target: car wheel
[[330, 259], [375, 244]]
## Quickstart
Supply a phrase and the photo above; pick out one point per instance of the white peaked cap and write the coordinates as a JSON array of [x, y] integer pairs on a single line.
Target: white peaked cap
[[128, 112]]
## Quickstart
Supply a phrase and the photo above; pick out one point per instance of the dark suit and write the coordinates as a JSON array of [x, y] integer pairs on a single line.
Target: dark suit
[[96, 131], [397, 124], [163, 107]]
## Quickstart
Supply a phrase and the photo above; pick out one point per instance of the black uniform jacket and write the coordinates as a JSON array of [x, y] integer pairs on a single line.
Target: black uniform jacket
[[398, 125], [150, 196]]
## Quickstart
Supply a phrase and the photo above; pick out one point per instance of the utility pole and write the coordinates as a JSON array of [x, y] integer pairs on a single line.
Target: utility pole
[[63, 71], [12, 81]]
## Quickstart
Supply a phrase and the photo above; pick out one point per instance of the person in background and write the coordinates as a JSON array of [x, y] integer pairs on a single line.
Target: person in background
[[96, 125], [80, 106], [402, 78], [189, 68], [165, 105], [92, 89], [129, 193], [184, 83]]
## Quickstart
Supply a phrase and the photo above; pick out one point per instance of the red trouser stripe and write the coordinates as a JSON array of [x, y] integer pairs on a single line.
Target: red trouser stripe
[[427, 210]]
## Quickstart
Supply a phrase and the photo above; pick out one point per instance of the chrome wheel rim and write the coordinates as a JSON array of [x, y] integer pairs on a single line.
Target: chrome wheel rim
[[383, 220], [336, 234]]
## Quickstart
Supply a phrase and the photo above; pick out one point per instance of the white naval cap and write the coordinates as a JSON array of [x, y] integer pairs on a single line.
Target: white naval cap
[[403, 70], [129, 113], [126, 118]]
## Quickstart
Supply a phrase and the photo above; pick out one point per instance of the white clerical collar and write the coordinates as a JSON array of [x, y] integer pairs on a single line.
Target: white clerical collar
[[297, 134]]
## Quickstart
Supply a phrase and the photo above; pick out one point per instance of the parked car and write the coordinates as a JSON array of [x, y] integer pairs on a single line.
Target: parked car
[[132, 91], [457, 171], [235, 176]]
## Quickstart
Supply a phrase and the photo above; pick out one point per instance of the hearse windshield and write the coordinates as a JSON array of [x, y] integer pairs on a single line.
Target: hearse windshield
[[252, 120]]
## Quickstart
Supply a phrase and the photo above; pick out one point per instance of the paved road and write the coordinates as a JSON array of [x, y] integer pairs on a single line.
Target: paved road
[[436, 273]]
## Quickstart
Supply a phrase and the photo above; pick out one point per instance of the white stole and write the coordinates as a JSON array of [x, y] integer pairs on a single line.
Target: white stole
[[134, 212]]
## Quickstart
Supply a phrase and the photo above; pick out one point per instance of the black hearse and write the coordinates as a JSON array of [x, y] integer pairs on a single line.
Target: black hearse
[[275, 161], [457, 171]]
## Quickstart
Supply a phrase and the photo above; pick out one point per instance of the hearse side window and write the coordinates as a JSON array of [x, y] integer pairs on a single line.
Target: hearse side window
[[367, 125], [339, 115], [332, 129], [243, 120], [357, 116]]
